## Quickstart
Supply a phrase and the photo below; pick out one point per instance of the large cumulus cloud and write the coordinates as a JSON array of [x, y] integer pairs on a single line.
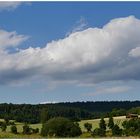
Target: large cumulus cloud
[[90, 56]]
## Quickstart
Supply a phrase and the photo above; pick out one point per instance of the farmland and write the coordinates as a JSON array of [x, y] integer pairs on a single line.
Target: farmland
[[94, 122]]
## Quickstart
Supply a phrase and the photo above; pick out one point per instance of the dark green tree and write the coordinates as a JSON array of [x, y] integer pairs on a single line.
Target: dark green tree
[[88, 126], [102, 126], [26, 129], [116, 131], [3, 126], [111, 122], [131, 127], [14, 129], [36, 130], [6, 119], [44, 115], [96, 132], [60, 127]]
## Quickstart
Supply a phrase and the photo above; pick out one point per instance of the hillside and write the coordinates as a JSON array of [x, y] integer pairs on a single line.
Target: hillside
[[75, 111]]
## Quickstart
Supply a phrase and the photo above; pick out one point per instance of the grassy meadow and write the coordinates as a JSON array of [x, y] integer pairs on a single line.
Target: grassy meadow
[[94, 122]]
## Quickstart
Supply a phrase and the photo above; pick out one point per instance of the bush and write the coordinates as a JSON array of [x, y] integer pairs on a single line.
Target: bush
[[88, 126], [131, 127], [96, 132], [36, 130], [6, 119], [11, 123], [14, 129], [26, 129], [60, 127], [3, 127]]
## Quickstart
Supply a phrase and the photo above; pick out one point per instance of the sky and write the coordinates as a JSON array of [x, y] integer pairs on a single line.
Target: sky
[[69, 51]]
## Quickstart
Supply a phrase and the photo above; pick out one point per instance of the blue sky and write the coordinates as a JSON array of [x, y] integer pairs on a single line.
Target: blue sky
[[61, 51]]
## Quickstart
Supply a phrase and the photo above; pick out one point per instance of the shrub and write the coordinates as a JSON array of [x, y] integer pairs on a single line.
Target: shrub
[[6, 119], [88, 126], [14, 129], [26, 129], [36, 130], [3, 127], [131, 127], [60, 127], [11, 123], [96, 132]]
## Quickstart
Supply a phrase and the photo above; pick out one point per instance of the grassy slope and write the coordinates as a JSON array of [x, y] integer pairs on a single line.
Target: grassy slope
[[95, 124]]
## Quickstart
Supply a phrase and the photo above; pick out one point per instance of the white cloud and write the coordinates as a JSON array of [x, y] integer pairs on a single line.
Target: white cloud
[[9, 5], [10, 39], [85, 57], [135, 52]]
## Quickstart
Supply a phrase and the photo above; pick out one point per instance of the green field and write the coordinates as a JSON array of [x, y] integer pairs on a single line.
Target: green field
[[94, 122]]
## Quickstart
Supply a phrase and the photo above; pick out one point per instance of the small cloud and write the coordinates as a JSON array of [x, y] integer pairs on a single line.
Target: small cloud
[[10, 5], [135, 52], [48, 102], [79, 26]]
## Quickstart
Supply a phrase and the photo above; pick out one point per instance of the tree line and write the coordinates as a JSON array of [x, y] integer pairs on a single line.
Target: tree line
[[74, 111]]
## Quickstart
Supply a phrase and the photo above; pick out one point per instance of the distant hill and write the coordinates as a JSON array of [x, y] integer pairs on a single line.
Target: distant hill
[[75, 111]]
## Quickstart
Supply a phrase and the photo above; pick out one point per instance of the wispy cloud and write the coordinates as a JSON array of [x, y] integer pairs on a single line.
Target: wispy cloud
[[79, 26], [10, 5], [109, 90]]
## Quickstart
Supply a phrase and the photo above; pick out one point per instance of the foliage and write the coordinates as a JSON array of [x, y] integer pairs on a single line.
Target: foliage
[[118, 112], [111, 122], [44, 115], [96, 132], [102, 126], [14, 129], [101, 131], [86, 135], [116, 131], [131, 127], [26, 129], [6, 119], [36, 130], [60, 127], [88, 126], [134, 110], [75, 111], [3, 126]]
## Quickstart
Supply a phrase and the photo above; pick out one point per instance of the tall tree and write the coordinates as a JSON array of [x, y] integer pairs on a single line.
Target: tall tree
[[111, 122], [44, 115], [102, 126], [116, 131]]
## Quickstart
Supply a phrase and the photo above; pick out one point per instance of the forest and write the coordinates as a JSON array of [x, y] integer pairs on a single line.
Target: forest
[[75, 111]]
